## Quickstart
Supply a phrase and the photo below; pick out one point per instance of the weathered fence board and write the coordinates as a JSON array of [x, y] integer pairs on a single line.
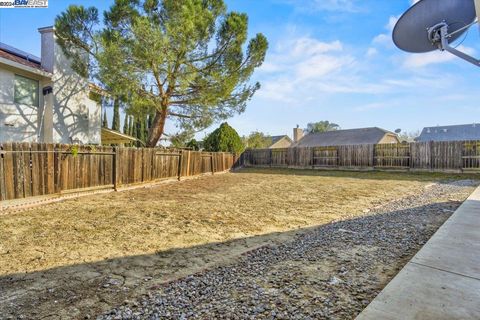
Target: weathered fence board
[[392, 156], [41, 169], [471, 155], [325, 157], [431, 156]]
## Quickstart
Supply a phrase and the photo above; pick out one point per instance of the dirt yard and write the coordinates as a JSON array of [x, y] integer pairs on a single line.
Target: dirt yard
[[82, 257]]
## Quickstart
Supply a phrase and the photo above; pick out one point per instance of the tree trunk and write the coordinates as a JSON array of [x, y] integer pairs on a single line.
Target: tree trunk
[[158, 125]]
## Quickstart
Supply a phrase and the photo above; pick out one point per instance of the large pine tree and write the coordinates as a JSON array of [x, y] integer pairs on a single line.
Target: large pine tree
[[190, 60]]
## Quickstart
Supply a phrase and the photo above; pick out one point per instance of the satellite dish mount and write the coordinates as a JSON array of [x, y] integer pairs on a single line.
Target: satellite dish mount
[[439, 37], [431, 25]]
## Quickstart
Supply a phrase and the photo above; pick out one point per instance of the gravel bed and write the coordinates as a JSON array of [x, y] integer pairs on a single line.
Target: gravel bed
[[328, 272]]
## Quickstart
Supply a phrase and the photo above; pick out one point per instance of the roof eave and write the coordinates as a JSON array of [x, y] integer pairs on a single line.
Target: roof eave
[[13, 64]]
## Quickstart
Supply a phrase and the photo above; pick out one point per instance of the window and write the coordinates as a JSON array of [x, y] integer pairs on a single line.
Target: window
[[26, 91]]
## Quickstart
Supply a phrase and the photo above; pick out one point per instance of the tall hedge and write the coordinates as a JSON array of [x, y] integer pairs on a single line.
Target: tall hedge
[[224, 139]]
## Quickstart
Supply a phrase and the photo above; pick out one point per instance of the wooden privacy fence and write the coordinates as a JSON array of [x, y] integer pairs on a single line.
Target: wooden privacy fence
[[35, 169], [456, 156]]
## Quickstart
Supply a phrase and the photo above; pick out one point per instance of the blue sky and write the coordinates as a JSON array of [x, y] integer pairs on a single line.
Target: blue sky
[[328, 60]]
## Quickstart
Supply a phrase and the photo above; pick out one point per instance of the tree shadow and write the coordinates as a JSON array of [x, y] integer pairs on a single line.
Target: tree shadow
[[92, 288], [18, 122], [439, 177], [70, 123], [71, 115]]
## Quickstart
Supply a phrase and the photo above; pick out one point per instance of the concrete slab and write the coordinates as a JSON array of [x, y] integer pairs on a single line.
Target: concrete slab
[[420, 292], [442, 281], [454, 254]]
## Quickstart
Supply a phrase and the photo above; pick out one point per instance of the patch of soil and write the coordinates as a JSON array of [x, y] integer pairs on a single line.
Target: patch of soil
[[83, 256]]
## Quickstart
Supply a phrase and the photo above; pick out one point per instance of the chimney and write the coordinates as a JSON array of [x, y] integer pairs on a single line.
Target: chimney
[[297, 134], [48, 48]]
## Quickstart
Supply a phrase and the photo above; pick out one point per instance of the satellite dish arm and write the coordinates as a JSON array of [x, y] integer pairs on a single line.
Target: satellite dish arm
[[477, 9], [444, 45]]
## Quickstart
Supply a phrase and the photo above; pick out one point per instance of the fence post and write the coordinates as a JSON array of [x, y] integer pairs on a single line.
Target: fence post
[[432, 156], [50, 169], [180, 162], [57, 170], [410, 159], [312, 156], [116, 165], [372, 154], [212, 162]]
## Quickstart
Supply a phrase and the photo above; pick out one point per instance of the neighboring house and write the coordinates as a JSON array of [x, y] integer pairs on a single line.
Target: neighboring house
[[463, 132], [43, 99], [110, 136], [344, 137], [279, 142]]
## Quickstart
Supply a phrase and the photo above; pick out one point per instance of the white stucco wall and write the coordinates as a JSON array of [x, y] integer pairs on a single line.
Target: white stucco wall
[[18, 123], [76, 118]]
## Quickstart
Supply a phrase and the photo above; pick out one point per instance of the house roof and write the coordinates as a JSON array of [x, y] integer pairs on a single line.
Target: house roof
[[19, 56], [114, 137], [343, 137], [275, 139], [450, 133]]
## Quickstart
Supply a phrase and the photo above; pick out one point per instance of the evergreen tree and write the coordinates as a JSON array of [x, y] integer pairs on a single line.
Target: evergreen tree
[[116, 115], [105, 121], [134, 129], [196, 52], [140, 131], [130, 129], [193, 144], [125, 124], [145, 129], [224, 139]]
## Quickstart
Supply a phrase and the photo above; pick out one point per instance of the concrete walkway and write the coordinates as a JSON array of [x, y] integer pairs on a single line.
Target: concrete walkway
[[442, 281]]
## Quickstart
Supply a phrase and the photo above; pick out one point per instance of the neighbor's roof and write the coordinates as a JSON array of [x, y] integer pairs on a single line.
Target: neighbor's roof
[[114, 137], [275, 139], [19, 56], [450, 133], [343, 137]]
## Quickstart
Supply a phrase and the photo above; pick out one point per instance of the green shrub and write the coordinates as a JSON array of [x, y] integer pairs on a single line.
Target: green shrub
[[224, 139]]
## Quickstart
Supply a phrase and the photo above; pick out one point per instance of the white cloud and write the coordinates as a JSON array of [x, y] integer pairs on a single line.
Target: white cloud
[[371, 52], [304, 68], [413, 61], [385, 38], [392, 21]]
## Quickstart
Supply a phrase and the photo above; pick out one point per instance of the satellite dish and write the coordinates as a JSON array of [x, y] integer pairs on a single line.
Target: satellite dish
[[398, 131], [434, 24]]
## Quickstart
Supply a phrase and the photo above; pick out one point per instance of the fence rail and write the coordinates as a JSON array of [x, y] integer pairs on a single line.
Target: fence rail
[[35, 169], [456, 156]]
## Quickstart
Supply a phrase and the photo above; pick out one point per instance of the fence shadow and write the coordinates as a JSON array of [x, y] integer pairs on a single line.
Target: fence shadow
[[439, 177], [75, 291]]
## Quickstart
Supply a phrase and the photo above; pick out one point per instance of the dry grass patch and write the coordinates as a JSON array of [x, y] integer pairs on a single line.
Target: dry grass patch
[[190, 213]]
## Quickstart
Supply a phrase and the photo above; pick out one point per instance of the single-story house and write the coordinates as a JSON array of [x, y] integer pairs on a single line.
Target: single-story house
[[43, 100], [462, 132], [344, 137], [279, 142]]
